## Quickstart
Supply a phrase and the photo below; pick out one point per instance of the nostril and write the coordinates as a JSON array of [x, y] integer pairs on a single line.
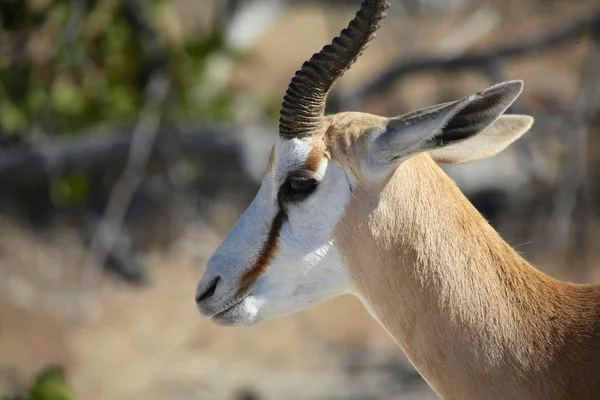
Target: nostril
[[209, 291]]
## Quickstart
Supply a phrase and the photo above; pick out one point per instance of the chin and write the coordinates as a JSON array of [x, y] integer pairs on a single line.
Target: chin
[[233, 321], [241, 315]]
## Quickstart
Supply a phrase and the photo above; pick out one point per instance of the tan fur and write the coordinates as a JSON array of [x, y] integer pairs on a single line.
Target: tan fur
[[345, 136], [477, 320], [314, 158]]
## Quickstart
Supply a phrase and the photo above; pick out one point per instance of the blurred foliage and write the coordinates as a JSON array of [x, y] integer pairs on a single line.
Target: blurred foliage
[[66, 65], [49, 384], [70, 189]]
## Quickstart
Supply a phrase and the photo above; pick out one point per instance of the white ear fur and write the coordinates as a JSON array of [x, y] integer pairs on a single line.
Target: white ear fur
[[492, 140]]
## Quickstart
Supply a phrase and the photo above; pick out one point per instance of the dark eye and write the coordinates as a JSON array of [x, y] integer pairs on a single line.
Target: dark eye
[[302, 185], [297, 188]]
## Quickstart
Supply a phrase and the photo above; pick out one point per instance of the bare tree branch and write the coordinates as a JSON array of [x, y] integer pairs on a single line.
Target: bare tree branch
[[570, 189], [477, 60], [22, 166], [68, 35], [143, 138]]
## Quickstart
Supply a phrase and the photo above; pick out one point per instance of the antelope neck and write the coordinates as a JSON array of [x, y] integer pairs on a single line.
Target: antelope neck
[[474, 318]]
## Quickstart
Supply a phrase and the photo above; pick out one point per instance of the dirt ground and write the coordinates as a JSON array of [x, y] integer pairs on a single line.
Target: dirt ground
[[151, 343]]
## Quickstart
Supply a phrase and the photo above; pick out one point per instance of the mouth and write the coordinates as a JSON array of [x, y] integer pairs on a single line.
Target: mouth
[[235, 315], [206, 309], [225, 311]]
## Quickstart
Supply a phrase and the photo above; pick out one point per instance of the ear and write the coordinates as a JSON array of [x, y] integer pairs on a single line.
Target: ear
[[490, 142], [449, 125]]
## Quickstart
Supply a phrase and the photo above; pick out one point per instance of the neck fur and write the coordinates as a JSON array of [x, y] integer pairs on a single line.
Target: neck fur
[[475, 319]]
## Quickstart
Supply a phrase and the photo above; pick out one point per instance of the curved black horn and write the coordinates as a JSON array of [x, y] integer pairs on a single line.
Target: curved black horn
[[304, 102]]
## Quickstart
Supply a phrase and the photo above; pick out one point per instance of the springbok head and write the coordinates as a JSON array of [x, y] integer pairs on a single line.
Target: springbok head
[[281, 256]]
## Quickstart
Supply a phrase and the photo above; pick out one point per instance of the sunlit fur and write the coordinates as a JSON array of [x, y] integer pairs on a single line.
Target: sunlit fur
[[477, 320]]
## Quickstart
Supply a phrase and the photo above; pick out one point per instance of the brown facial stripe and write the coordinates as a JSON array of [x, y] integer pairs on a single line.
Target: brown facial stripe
[[313, 160], [271, 159], [266, 254]]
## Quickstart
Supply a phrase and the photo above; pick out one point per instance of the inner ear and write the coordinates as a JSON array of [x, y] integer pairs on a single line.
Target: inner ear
[[478, 113], [440, 125]]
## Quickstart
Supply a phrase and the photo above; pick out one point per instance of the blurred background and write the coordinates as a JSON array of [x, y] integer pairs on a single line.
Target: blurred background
[[134, 133]]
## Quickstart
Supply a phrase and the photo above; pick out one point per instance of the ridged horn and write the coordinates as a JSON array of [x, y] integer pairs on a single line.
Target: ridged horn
[[304, 102]]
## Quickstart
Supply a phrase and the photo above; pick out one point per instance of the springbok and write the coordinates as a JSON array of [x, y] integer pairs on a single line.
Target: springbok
[[355, 203]]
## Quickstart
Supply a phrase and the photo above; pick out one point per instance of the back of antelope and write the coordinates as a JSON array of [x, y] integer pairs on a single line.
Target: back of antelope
[[355, 203]]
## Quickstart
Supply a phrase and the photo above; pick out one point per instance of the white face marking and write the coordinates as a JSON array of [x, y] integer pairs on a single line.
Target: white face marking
[[305, 269]]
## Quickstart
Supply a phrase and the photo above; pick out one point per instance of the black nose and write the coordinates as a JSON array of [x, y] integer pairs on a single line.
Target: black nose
[[210, 290]]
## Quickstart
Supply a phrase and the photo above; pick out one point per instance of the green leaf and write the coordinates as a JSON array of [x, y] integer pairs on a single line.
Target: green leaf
[[51, 385], [70, 190], [12, 119], [67, 98]]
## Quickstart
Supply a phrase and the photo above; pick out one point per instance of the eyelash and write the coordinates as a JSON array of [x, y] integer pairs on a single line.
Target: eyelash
[[288, 193]]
